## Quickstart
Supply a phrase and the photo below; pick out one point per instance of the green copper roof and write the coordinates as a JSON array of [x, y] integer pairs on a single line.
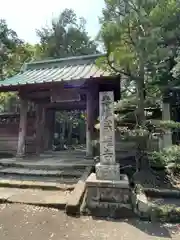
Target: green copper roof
[[56, 70]]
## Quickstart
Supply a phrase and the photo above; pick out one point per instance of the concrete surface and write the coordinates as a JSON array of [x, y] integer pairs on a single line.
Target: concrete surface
[[22, 222], [35, 197]]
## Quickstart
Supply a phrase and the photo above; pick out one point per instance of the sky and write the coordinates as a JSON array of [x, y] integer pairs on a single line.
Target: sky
[[25, 17]]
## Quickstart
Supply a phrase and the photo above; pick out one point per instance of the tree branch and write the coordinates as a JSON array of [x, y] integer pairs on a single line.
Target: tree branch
[[129, 34], [127, 89], [127, 74]]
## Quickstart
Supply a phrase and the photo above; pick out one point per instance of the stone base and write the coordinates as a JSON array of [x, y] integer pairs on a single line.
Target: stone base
[[108, 172], [108, 198]]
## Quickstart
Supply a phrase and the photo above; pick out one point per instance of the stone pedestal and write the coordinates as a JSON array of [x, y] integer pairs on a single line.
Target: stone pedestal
[[106, 198]]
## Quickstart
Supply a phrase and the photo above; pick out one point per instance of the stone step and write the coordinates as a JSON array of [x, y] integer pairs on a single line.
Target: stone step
[[45, 166], [37, 183], [31, 178], [34, 172]]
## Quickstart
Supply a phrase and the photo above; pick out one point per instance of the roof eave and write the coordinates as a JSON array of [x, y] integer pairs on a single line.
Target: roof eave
[[14, 88]]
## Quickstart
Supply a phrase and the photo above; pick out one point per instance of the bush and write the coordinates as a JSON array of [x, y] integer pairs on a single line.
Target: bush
[[167, 157]]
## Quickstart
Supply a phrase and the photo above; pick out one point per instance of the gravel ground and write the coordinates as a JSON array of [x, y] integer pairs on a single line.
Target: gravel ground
[[23, 222]]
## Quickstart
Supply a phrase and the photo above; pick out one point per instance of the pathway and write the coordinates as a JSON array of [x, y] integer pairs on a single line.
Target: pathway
[[22, 222]]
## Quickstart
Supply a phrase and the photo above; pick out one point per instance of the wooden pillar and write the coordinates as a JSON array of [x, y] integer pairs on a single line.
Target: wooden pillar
[[48, 133], [89, 148], [43, 132], [47, 129], [166, 116], [51, 117], [91, 114], [22, 128], [40, 116]]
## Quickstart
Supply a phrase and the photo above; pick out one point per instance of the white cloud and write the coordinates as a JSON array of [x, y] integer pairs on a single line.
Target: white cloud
[[26, 16]]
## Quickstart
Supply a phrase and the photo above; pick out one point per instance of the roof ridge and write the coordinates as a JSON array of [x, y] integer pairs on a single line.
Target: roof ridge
[[58, 60]]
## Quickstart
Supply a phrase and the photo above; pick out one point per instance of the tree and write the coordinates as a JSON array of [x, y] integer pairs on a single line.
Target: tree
[[142, 40], [13, 53], [66, 37], [8, 44]]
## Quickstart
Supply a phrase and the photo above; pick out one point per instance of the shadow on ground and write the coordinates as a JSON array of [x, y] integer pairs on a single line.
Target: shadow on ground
[[160, 230]]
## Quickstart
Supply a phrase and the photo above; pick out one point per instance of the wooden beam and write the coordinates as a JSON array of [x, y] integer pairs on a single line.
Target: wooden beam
[[67, 106], [44, 94], [38, 94], [22, 128]]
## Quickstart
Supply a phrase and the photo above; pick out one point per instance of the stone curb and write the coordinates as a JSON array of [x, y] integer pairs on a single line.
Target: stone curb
[[76, 196], [37, 198]]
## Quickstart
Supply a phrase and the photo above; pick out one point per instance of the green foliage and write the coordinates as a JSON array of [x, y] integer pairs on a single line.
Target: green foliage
[[66, 37], [142, 42], [169, 125], [167, 157], [13, 53], [126, 103], [9, 42], [73, 117]]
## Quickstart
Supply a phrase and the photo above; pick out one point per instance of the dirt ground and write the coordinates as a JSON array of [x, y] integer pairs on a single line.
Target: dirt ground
[[23, 222]]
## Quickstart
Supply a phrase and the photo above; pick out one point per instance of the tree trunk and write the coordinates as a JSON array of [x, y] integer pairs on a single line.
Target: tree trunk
[[141, 158], [141, 100]]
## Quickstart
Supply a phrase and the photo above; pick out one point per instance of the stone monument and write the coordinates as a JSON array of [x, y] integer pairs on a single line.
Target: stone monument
[[108, 193], [107, 169]]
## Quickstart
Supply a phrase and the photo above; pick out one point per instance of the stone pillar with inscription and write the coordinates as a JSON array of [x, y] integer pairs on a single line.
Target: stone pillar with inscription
[[108, 191], [107, 169]]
